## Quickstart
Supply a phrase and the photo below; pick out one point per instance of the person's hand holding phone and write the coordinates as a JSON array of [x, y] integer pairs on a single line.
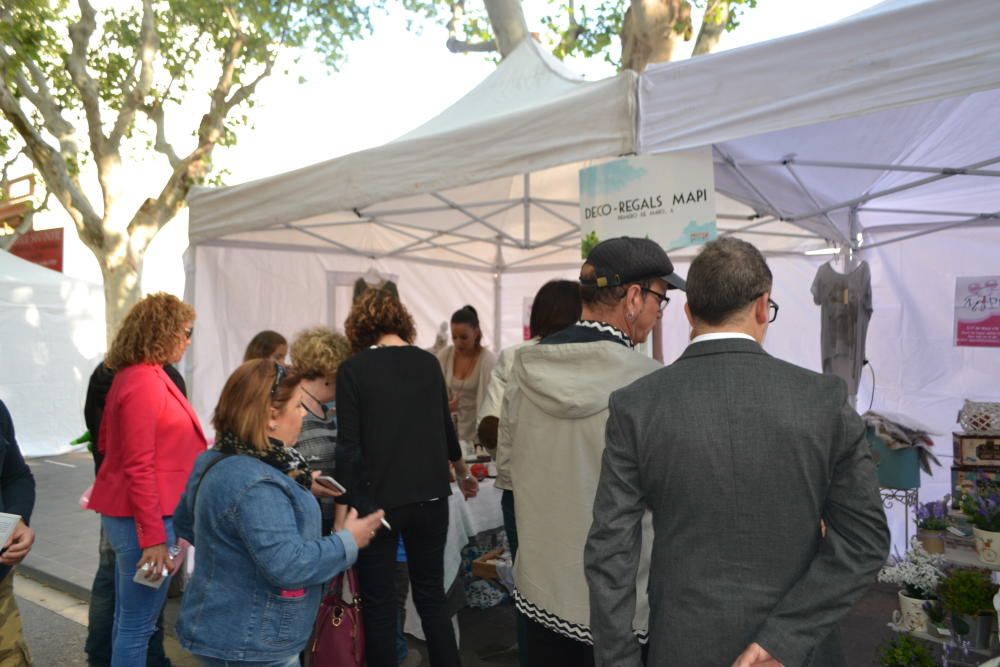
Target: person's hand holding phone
[[363, 529], [158, 559], [323, 486]]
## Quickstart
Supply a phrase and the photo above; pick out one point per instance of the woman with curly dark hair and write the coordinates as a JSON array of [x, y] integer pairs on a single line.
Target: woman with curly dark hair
[[395, 439], [150, 437]]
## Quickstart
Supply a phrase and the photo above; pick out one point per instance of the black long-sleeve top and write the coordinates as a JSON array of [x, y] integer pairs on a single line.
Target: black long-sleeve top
[[395, 434], [17, 484]]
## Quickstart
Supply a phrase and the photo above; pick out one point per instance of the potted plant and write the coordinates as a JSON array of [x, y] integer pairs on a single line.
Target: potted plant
[[937, 625], [968, 595], [984, 514], [918, 573], [905, 651], [932, 520]]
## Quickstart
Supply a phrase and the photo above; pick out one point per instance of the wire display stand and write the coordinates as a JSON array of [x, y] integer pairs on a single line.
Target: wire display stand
[[908, 498]]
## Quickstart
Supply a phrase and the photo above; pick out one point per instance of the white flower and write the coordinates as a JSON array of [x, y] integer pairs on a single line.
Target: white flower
[[918, 571]]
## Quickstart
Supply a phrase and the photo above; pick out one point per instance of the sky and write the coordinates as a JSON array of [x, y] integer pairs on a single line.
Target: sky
[[391, 83]]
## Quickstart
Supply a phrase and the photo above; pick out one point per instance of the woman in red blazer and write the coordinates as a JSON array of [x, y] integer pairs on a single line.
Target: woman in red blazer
[[150, 437]]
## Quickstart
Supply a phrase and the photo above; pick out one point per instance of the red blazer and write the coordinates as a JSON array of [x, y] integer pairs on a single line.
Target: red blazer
[[150, 437]]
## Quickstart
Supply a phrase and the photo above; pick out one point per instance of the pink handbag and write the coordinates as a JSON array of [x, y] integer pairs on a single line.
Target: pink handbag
[[339, 636]]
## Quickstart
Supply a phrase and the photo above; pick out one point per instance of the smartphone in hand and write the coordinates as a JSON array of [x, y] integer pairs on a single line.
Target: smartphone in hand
[[331, 483]]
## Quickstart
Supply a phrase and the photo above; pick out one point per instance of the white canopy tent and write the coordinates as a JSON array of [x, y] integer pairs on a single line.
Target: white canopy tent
[[877, 125], [53, 337]]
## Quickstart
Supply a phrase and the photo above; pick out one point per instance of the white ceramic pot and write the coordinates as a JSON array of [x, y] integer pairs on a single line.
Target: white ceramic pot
[[987, 545], [911, 614]]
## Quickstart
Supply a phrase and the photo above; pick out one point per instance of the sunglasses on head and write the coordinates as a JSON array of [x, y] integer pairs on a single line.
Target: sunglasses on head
[[279, 375]]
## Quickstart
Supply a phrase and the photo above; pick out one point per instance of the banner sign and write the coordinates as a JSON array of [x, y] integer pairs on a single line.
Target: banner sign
[[43, 247], [977, 311], [667, 198]]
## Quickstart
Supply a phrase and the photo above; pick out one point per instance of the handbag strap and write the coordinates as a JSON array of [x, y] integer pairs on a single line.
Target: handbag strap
[[194, 496]]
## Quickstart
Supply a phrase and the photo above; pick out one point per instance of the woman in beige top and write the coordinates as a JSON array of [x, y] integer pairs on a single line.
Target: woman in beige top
[[466, 366]]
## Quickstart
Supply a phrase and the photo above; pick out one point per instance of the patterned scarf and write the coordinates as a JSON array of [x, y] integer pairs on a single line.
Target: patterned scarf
[[286, 459]]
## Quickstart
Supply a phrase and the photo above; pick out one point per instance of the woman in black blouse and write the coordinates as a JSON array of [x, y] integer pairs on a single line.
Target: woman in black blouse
[[395, 440]]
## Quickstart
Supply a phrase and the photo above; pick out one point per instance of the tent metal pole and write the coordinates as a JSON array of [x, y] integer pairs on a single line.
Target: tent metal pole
[[925, 232], [537, 256], [739, 172], [913, 211], [314, 235], [747, 229], [471, 221], [555, 202], [429, 243], [559, 216], [825, 216], [498, 294], [790, 235], [527, 210], [543, 267], [983, 220], [950, 171], [432, 209], [473, 216], [257, 245], [891, 191]]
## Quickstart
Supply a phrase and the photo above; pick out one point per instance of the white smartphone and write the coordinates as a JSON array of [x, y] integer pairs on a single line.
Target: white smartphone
[[140, 577], [331, 483]]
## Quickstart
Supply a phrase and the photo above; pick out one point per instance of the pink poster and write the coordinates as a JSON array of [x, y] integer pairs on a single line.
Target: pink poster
[[977, 311]]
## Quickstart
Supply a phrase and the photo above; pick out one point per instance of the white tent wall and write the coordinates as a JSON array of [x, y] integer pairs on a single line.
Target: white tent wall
[[53, 337], [240, 291]]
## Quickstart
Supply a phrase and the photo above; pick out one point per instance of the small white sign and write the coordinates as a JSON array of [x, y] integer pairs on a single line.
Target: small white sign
[[667, 198]]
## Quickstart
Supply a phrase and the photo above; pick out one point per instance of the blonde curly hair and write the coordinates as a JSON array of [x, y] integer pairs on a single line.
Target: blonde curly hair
[[318, 352], [150, 332]]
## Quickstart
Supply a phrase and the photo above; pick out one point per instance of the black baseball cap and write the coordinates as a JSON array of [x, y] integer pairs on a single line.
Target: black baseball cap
[[625, 260]]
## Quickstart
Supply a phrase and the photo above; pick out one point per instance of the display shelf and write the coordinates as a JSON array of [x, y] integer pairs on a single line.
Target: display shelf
[[968, 558], [986, 653], [907, 498]]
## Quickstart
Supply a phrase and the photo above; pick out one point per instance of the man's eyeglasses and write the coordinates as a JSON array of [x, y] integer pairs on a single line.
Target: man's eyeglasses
[[772, 307], [663, 298], [279, 374]]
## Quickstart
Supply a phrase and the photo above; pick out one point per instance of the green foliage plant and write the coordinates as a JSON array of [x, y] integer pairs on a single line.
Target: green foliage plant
[[905, 651], [967, 591]]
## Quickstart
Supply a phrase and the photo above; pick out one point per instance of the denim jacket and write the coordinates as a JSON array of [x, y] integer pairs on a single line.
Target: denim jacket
[[261, 562]]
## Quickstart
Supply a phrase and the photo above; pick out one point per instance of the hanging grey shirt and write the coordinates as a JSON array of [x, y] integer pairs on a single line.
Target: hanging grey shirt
[[846, 306]]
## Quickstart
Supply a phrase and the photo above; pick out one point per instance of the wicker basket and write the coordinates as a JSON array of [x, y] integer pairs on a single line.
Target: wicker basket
[[980, 418]]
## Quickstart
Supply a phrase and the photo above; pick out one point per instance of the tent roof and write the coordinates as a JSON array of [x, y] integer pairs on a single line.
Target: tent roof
[[529, 115], [800, 125], [876, 115]]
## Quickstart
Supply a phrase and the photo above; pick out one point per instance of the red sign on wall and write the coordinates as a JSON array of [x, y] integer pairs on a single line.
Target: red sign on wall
[[43, 247]]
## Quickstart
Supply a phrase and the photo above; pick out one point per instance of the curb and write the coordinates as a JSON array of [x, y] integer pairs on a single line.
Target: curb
[[52, 581]]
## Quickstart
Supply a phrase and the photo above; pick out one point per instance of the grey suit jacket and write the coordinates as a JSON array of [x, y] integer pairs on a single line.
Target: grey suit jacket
[[738, 455]]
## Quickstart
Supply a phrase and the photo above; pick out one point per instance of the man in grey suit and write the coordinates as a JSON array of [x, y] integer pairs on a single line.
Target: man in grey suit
[[739, 456]]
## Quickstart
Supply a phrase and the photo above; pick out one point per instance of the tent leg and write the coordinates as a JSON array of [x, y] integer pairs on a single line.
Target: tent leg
[[497, 312]]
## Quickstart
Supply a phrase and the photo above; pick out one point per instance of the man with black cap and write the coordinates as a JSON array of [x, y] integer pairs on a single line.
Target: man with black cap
[[739, 456], [554, 413]]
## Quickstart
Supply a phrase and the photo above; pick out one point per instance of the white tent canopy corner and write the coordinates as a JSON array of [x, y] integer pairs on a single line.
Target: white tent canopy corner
[[53, 337]]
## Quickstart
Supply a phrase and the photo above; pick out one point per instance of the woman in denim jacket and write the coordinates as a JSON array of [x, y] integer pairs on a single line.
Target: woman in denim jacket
[[262, 561]]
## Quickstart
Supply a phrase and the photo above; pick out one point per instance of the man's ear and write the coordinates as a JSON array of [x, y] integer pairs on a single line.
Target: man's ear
[[687, 313], [761, 311]]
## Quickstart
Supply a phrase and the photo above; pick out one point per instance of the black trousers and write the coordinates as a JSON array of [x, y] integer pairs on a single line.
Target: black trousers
[[546, 648], [424, 527]]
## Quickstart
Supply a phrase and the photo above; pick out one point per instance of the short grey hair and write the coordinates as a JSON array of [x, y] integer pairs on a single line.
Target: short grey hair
[[724, 278]]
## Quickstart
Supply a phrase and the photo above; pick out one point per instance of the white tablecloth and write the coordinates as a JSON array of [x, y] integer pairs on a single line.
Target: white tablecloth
[[466, 518]]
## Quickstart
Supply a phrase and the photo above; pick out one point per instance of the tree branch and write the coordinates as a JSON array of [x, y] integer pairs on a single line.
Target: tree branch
[[155, 113], [76, 62], [712, 26], [43, 100], [456, 45], [147, 49], [53, 169]]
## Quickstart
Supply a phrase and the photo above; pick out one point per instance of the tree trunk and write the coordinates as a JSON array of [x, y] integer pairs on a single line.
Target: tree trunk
[[650, 29], [122, 288], [507, 21]]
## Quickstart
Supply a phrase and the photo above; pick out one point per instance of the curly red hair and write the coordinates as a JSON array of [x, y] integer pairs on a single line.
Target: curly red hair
[[377, 313], [150, 332]]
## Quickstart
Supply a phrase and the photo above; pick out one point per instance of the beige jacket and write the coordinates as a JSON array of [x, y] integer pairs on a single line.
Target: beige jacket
[[484, 366], [554, 412]]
